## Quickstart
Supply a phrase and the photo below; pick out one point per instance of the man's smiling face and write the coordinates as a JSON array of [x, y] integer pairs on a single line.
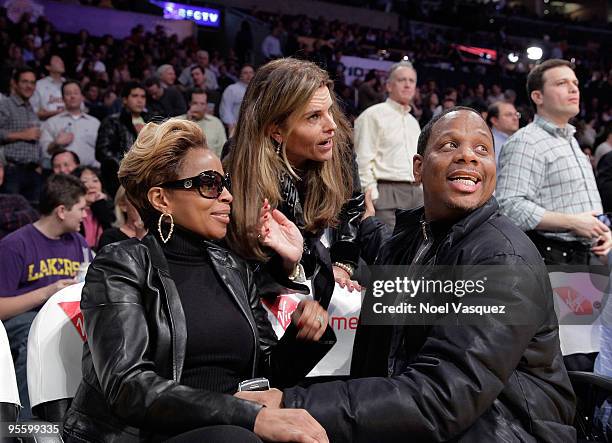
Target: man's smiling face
[[457, 169]]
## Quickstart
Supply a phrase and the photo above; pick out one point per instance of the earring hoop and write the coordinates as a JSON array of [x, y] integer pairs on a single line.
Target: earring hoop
[[159, 227]]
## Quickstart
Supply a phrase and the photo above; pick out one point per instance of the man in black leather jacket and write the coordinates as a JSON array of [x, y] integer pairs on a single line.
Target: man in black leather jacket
[[118, 132], [490, 381]]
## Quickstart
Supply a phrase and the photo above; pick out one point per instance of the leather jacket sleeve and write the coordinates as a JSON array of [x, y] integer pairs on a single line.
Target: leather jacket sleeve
[[119, 341], [287, 361], [372, 234], [441, 392], [107, 141], [345, 243]]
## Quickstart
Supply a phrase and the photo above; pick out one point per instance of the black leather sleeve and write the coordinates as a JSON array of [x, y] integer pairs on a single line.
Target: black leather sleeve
[[454, 379], [119, 338], [372, 234], [287, 361], [107, 141], [345, 242]]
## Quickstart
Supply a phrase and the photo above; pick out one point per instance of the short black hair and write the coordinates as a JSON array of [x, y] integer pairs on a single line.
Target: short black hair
[[78, 171], [60, 189], [18, 72], [71, 82], [47, 60], [426, 131], [76, 158], [194, 67], [129, 87], [154, 80], [535, 78], [492, 112], [196, 91]]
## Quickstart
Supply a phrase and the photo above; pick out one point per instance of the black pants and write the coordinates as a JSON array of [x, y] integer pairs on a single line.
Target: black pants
[[208, 434], [558, 252], [217, 434]]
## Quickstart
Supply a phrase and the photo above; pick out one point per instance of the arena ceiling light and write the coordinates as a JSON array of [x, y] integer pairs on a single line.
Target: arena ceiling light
[[534, 53], [513, 57]]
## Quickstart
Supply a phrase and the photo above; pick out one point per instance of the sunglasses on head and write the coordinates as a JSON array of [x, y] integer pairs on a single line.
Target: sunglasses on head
[[210, 184]]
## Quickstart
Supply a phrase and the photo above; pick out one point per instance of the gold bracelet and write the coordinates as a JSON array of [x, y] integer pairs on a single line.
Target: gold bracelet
[[345, 267]]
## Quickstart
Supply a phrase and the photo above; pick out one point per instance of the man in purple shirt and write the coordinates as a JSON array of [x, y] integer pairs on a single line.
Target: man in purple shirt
[[38, 260]]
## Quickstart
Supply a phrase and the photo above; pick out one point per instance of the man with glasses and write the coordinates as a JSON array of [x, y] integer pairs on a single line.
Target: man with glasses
[[503, 119], [19, 134]]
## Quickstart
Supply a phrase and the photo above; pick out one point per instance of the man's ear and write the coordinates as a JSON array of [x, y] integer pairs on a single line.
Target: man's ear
[[417, 168], [60, 211], [536, 96], [158, 197]]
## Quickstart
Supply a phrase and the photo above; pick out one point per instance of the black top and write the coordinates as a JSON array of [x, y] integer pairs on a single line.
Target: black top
[[219, 350], [111, 235]]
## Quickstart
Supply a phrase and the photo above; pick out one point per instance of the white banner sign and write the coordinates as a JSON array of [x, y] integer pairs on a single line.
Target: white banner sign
[[343, 314], [357, 68]]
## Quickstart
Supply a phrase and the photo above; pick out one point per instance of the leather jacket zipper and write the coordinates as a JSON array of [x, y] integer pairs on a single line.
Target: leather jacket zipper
[[173, 332], [424, 248]]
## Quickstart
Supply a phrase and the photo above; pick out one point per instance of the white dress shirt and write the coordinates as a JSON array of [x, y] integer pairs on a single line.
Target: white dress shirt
[[47, 95], [230, 103], [85, 130], [271, 47], [386, 137]]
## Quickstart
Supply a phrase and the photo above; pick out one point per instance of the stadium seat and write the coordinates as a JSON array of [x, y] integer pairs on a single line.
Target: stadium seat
[[9, 395], [55, 348]]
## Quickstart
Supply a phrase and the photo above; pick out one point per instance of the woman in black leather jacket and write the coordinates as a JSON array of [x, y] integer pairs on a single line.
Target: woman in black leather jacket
[[174, 321], [292, 147]]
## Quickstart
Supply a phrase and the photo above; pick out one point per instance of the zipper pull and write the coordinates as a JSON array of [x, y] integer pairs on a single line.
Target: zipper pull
[[424, 229]]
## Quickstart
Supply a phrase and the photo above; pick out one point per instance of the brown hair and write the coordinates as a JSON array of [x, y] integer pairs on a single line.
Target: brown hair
[[155, 158], [279, 91], [535, 79], [60, 189]]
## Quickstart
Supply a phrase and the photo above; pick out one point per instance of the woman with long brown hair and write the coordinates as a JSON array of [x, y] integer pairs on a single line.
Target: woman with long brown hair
[[292, 147]]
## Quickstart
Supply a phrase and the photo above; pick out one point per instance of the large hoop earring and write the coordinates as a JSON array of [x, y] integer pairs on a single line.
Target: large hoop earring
[[159, 227]]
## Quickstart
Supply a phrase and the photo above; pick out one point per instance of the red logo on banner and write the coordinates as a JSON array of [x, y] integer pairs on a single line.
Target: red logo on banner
[[578, 304], [73, 311], [282, 308]]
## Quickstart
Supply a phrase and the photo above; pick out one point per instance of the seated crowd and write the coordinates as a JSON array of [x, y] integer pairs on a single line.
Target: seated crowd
[[194, 192]]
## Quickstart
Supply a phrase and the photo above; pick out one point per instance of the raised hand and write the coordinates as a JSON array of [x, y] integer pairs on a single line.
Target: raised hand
[[281, 235]]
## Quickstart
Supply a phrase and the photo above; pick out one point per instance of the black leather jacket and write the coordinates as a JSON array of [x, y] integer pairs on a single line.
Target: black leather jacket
[[491, 382], [135, 349]]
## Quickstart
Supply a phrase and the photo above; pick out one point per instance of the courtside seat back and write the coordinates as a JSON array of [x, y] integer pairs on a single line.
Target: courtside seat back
[[9, 395], [55, 348]]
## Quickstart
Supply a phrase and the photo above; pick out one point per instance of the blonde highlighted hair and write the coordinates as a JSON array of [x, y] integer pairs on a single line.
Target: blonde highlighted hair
[[120, 214], [157, 157], [277, 94]]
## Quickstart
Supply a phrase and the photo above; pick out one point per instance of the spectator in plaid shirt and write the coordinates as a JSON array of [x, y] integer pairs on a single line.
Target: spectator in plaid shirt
[[545, 183], [19, 134], [15, 211]]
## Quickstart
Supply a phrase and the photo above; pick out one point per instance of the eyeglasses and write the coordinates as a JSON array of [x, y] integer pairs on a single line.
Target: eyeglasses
[[512, 114], [210, 184]]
